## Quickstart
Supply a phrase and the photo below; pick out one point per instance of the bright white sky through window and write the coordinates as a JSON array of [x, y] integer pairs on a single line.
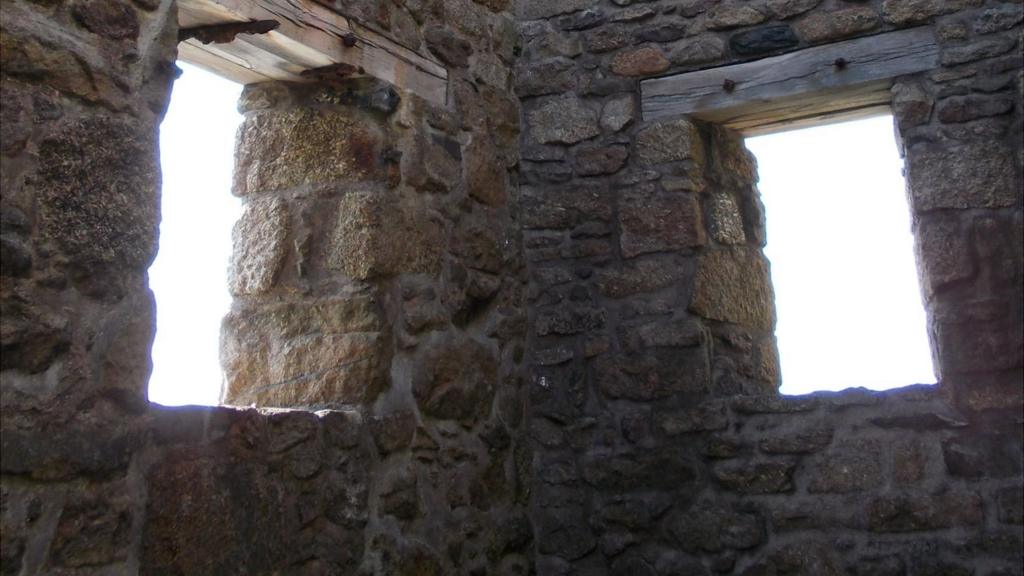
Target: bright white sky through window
[[839, 240], [189, 276]]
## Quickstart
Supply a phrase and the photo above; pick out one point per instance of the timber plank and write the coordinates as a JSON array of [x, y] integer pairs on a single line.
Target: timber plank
[[797, 87], [309, 36], [220, 63], [807, 109]]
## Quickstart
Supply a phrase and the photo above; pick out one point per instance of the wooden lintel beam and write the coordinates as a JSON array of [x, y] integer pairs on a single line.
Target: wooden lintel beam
[[844, 78], [310, 36], [226, 32], [332, 72]]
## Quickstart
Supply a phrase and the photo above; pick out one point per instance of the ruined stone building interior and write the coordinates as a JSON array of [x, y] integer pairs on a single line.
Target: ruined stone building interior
[[500, 303]]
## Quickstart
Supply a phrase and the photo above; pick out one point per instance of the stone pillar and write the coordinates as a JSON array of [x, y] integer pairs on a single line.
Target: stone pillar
[[665, 293], [373, 254], [963, 167], [308, 327], [733, 291]]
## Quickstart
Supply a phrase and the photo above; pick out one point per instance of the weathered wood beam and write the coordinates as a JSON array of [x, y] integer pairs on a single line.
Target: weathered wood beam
[[805, 87], [332, 72], [224, 33], [310, 36], [221, 63]]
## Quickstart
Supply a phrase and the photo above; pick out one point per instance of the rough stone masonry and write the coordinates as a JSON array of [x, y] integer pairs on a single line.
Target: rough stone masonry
[[527, 332]]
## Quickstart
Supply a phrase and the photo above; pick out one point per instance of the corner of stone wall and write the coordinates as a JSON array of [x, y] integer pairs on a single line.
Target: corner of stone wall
[[962, 148]]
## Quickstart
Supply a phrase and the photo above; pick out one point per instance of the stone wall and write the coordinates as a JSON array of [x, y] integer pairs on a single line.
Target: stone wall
[[550, 354], [660, 444], [331, 492], [377, 278], [84, 86], [828, 484]]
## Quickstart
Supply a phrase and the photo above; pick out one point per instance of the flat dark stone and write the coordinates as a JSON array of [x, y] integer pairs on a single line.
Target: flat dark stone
[[661, 33], [761, 40], [584, 20]]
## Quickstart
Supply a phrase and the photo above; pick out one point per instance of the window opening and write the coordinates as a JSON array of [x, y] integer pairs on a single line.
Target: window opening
[[847, 296], [189, 275]]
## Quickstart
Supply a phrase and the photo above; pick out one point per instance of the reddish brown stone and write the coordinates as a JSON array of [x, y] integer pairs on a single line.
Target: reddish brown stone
[[485, 175], [915, 512], [115, 19], [660, 224], [94, 529], [393, 431], [594, 161], [457, 379], [642, 62]]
